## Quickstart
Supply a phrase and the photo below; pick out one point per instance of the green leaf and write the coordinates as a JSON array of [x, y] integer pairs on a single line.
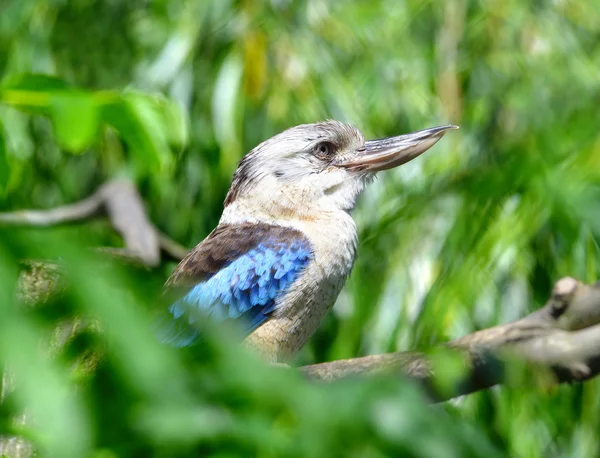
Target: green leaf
[[224, 108], [75, 116], [4, 170], [34, 82], [176, 122], [142, 128]]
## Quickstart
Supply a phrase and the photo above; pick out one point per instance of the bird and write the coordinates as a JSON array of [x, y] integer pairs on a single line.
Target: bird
[[286, 241]]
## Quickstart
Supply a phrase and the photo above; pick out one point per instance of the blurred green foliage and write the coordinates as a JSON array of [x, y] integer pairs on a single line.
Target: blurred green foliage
[[172, 93]]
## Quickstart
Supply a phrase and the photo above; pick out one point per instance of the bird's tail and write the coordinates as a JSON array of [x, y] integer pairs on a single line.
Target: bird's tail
[[177, 332]]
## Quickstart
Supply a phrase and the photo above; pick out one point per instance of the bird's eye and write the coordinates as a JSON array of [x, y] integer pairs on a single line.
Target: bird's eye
[[323, 149]]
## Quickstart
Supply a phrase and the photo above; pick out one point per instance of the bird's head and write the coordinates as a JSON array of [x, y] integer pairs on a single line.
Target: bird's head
[[319, 167]]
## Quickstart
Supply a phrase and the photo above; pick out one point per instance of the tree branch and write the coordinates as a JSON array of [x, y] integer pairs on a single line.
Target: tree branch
[[563, 336], [121, 202]]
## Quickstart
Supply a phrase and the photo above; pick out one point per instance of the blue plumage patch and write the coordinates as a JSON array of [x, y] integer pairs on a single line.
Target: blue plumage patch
[[245, 288]]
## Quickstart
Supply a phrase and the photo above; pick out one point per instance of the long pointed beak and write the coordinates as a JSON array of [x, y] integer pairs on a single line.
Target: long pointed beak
[[390, 152]]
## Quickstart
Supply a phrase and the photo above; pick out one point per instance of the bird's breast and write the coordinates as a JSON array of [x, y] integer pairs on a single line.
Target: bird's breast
[[301, 310]]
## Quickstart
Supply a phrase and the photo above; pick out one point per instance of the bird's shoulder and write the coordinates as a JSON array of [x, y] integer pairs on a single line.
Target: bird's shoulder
[[228, 242]]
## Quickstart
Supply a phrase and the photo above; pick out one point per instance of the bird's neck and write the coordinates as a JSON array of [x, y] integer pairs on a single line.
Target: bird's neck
[[286, 212], [271, 201], [328, 228]]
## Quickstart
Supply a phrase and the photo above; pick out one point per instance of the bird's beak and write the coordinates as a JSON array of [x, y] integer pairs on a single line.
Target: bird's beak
[[390, 152]]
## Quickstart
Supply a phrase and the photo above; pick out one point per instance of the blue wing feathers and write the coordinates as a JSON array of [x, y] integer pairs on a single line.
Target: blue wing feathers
[[245, 288]]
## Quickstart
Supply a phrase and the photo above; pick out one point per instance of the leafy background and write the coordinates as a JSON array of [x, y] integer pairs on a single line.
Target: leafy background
[[172, 93]]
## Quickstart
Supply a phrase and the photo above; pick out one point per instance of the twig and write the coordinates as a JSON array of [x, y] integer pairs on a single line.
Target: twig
[[81, 210], [120, 200], [171, 247]]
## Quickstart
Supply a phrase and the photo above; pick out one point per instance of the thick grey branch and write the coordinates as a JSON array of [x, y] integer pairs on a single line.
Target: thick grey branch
[[563, 336]]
